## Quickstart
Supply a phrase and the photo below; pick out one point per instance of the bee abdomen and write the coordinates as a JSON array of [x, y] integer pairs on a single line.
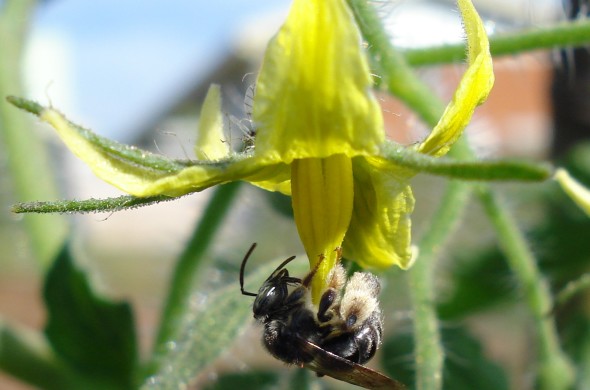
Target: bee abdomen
[[369, 337], [360, 345]]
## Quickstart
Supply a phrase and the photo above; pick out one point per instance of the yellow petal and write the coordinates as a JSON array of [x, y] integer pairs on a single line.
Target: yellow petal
[[379, 235], [284, 187], [575, 190], [322, 194], [473, 88], [211, 144], [313, 95]]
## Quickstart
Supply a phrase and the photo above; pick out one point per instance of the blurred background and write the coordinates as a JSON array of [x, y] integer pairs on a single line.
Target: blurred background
[[137, 71]]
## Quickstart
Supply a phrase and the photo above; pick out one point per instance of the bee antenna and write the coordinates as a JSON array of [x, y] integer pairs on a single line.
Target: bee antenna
[[243, 267], [283, 264]]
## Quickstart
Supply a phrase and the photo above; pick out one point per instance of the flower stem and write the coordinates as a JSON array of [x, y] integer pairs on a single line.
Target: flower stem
[[429, 352], [190, 263], [395, 72], [564, 34], [554, 370], [571, 289], [28, 161]]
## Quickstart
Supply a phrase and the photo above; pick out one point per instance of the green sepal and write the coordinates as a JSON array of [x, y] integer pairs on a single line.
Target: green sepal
[[131, 155], [125, 202], [481, 170], [145, 174]]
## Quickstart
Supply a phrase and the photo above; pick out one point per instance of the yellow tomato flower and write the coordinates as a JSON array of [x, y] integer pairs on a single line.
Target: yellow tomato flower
[[320, 138]]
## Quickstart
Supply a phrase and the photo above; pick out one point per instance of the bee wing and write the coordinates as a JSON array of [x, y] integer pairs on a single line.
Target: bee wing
[[327, 363]]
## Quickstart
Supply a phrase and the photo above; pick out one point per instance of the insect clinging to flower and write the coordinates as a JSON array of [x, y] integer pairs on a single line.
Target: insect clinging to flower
[[333, 338]]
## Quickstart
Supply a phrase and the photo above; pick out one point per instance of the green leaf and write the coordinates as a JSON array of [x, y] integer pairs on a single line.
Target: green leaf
[[208, 331], [466, 366], [576, 341], [26, 355], [480, 281], [90, 333], [301, 379]]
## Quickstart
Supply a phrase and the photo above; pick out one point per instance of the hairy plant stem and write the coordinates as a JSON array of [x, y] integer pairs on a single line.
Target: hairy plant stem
[[564, 34], [28, 160], [554, 369], [189, 265], [429, 354], [395, 72]]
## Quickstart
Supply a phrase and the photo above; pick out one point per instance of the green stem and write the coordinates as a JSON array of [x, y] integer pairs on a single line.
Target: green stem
[[189, 266], [561, 35], [571, 289], [554, 371], [429, 353], [395, 72], [27, 157]]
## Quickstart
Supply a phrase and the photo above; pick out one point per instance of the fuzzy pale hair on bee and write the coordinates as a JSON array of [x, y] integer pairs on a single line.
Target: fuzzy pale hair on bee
[[349, 302], [359, 301]]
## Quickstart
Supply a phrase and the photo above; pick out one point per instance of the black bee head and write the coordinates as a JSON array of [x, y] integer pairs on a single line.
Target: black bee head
[[270, 298]]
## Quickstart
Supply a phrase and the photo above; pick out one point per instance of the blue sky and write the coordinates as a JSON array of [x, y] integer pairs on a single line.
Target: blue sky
[[106, 63]]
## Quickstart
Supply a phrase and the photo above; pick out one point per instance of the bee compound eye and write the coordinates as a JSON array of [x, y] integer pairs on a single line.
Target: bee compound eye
[[269, 298], [351, 320]]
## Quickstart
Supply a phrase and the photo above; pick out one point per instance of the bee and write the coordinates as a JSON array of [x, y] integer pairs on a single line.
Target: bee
[[337, 338]]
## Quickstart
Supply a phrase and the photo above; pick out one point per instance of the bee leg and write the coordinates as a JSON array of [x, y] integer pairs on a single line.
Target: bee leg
[[330, 299], [326, 301]]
